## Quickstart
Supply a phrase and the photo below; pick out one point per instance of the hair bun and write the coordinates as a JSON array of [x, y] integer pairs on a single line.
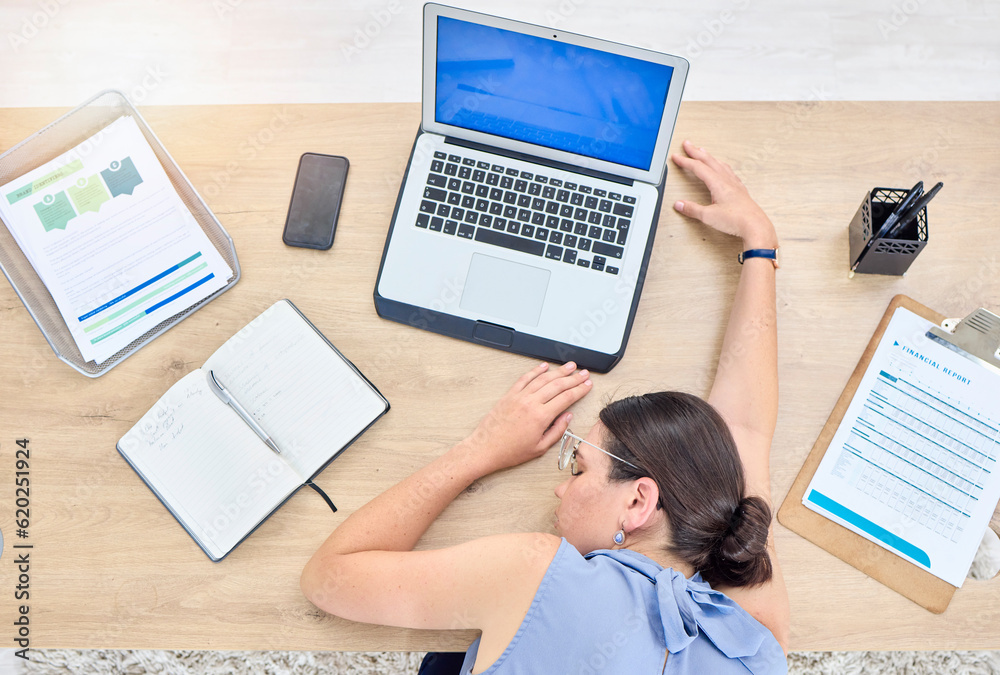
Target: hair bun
[[741, 558]]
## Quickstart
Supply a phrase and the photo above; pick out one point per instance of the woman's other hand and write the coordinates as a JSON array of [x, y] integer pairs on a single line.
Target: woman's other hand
[[732, 210], [530, 418]]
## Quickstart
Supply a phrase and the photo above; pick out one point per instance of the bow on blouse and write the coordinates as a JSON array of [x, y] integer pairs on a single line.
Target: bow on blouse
[[690, 606]]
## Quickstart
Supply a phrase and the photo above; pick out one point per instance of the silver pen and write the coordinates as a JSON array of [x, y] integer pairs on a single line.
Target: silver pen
[[228, 399]]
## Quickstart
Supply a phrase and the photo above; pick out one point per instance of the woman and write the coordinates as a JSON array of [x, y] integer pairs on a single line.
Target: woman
[[667, 495]]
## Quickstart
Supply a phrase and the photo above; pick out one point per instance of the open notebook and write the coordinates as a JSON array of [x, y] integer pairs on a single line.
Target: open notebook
[[208, 466]]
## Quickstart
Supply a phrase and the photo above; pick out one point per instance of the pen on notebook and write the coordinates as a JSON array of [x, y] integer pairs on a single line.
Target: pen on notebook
[[228, 399], [912, 212]]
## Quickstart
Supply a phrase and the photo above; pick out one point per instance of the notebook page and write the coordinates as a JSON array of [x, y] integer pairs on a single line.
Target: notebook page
[[207, 464], [913, 466], [304, 395]]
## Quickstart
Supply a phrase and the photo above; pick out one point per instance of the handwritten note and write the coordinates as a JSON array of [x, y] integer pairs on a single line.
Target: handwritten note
[[208, 466], [205, 463]]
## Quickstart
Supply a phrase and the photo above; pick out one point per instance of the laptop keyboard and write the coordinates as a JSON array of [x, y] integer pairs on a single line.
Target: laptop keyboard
[[575, 223]]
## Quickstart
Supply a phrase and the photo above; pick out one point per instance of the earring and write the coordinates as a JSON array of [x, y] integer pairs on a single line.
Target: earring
[[620, 537]]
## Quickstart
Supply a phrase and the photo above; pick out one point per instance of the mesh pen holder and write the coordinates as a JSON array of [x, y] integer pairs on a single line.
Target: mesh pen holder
[[885, 255]]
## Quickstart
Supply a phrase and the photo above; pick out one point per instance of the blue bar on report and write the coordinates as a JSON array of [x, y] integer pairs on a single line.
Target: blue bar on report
[[179, 293], [865, 525], [138, 288]]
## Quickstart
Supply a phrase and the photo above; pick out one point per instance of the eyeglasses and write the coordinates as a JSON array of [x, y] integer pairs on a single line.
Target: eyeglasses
[[567, 452]]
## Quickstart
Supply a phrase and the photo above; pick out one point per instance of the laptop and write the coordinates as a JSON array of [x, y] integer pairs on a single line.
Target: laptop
[[526, 214]]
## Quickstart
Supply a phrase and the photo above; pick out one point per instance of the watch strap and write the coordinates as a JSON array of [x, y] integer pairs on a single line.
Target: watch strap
[[769, 253]]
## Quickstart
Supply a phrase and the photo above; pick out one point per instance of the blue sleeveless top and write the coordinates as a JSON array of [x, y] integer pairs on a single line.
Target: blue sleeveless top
[[620, 612]]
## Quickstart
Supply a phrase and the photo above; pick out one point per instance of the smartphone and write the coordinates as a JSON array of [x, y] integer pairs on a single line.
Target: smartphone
[[315, 204]]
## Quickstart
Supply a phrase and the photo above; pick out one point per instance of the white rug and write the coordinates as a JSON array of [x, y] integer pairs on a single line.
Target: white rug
[[141, 662]]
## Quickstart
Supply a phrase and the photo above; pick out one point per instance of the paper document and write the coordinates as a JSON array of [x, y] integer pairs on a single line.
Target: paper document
[[111, 239], [913, 466]]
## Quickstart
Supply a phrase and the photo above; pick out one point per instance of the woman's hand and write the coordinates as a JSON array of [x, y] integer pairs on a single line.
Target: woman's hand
[[732, 210], [529, 419]]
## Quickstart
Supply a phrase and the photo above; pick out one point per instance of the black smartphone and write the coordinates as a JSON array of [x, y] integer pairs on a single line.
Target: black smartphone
[[315, 204]]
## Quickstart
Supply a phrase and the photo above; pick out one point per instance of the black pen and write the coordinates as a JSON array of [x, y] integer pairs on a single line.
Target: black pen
[[900, 209], [897, 211], [903, 205], [912, 212]]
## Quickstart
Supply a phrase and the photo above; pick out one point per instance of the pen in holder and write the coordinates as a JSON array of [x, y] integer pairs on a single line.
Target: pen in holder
[[885, 255]]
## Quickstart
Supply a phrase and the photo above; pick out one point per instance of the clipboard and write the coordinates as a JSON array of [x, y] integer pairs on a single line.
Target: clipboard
[[969, 337]]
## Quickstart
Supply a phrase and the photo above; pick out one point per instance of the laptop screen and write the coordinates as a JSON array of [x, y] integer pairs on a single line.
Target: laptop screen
[[546, 92]]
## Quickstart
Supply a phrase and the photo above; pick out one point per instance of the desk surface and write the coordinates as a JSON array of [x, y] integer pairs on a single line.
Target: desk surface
[[111, 568]]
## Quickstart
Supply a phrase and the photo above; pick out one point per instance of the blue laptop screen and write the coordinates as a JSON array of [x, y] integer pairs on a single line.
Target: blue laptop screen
[[570, 98]]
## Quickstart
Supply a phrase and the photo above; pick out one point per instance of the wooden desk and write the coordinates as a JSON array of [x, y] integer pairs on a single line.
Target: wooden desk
[[111, 568]]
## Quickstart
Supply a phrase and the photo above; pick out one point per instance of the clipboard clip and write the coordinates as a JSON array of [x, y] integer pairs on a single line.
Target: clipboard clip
[[976, 337]]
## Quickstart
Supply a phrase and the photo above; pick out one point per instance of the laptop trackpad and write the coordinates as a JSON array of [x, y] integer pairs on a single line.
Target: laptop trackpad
[[505, 290]]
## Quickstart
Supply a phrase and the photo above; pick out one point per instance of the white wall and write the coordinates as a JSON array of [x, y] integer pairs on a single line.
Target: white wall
[[60, 52]]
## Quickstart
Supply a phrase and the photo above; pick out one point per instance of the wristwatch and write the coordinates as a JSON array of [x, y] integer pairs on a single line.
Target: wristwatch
[[769, 253]]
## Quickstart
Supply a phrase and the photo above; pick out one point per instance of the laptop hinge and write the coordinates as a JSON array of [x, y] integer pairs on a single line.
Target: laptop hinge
[[538, 160]]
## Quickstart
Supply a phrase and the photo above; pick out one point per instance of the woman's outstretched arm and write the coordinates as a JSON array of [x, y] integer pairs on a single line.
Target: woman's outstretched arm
[[367, 571], [745, 390]]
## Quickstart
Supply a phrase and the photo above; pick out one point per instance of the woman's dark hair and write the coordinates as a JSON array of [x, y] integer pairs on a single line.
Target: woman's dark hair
[[683, 444]]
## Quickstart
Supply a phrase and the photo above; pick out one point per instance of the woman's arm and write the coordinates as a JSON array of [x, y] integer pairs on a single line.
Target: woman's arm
[[745, 391], [366, 569]]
